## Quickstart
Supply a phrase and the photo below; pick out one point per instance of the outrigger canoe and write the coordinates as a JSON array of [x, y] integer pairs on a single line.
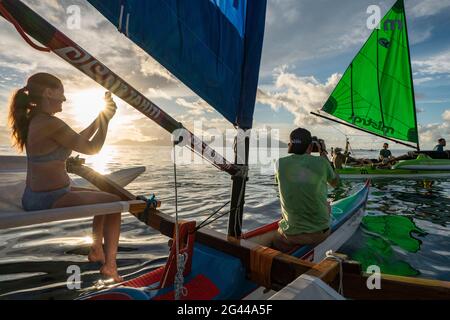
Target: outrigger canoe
[[425, 163], [423, 167], [221, 47], [217, 275]]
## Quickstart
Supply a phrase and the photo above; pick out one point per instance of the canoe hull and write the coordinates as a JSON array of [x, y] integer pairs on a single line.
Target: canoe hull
[[217, 275]]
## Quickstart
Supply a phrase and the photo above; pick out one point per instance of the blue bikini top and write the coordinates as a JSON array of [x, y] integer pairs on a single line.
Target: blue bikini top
[[59, 153]]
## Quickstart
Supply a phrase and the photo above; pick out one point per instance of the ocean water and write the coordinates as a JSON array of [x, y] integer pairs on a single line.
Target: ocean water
[[406, 230]]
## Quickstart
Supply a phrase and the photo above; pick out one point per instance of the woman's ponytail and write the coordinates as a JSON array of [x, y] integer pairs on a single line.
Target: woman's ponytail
[[24, 101], [19, 120]]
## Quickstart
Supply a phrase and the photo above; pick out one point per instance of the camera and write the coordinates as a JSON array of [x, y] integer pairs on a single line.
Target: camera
[[318, 145]]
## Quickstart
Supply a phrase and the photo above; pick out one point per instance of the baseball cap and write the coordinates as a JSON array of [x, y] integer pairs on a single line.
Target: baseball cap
[[300, 136]]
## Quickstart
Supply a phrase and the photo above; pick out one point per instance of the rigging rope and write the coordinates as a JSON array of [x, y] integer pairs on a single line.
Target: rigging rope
[[331, 255], [20, 30], [181, 259], [205, 222]]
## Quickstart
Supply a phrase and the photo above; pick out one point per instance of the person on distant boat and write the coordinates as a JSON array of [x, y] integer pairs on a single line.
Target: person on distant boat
[[49, 141], [440, 146], [339, 159], [302, 181], [385, 157]]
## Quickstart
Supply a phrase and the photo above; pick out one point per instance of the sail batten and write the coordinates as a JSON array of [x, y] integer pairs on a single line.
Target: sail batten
[[212, 46], [376, 93]]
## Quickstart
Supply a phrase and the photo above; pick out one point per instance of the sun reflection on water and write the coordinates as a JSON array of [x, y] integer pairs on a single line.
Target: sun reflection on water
[[101, 161]]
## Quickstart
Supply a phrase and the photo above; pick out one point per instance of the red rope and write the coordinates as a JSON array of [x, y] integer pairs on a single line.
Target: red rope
[[19, 29]]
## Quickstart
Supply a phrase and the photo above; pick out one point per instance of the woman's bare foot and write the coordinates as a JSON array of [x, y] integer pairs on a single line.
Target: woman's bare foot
[[111, 272], [96, 254]]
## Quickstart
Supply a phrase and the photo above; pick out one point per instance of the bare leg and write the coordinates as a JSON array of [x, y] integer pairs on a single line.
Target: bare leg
[[106, 227], [96, 253], [111, 234]]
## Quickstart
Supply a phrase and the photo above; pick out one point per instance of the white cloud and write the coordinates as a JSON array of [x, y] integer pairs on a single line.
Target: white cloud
[[150, 67], [446, 115], [430, 133], [425, 8], [420, 110], [286, 11], [155, 93], [321, 29], [437, 64], [298, 95], [418, 81], [19, 66], [197, 108], [417, 36]]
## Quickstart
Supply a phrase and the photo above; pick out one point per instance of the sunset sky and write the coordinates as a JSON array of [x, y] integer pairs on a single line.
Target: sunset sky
[[308, 45]]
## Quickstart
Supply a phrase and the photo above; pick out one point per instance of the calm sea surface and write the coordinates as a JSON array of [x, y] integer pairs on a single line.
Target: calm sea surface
[[406, 230]]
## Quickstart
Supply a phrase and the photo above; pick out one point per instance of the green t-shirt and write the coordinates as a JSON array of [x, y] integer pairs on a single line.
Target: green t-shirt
[[302, 182]]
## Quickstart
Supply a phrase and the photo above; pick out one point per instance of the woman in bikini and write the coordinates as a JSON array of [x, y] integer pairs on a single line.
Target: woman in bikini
[[48, 142]]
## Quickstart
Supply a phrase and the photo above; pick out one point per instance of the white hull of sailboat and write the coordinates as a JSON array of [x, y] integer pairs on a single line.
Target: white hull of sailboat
[[411, 176], [428, 167]]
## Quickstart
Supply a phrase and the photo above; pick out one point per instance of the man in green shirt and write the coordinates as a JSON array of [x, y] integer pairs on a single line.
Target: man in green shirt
[[302, 181]]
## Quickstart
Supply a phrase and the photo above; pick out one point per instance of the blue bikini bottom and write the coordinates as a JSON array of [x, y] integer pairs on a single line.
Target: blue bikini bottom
[[32, 201]]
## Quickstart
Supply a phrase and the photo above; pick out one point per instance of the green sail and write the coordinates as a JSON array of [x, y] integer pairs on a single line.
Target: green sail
[[376, 92]]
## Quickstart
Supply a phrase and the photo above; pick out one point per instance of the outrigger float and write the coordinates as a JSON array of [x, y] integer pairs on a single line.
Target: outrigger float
[[204, 263]]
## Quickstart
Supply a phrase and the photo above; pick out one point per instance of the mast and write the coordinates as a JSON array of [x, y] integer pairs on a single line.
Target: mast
[[253, 49], [37, 27], [238, 187], [380, 98], [411, 75]]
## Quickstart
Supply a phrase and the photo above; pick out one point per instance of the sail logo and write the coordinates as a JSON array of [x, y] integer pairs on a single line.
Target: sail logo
[[384, 43], [392, 25], [370, 123]]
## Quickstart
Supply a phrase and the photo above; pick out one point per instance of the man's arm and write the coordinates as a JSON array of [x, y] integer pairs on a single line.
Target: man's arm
[[334, 182], [332, 176]]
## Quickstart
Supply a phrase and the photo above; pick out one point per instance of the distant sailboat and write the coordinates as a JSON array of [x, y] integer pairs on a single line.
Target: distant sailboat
[[376, 95], [376, 92]]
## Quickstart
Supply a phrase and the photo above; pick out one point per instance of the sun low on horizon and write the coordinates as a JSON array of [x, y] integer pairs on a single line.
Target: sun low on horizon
[[85, 105]]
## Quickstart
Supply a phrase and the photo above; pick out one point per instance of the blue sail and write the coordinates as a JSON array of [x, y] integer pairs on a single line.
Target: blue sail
[[212, 46]]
